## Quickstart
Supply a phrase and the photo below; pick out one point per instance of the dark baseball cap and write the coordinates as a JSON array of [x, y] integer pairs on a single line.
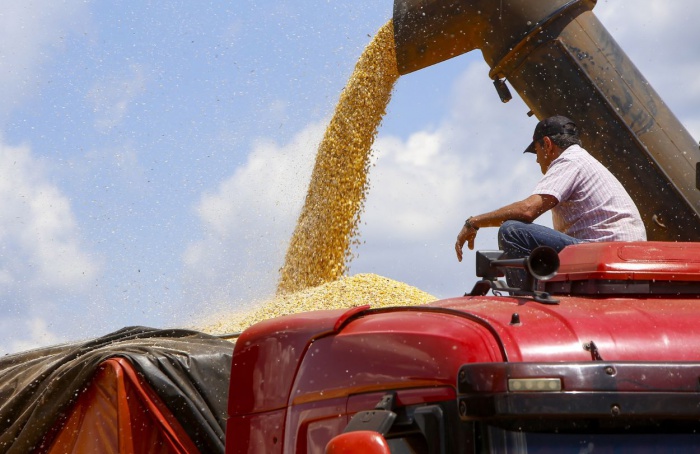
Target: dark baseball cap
[[551, 127]]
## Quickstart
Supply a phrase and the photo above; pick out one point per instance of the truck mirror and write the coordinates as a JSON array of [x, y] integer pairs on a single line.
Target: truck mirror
[[542, 264], [364, 441]]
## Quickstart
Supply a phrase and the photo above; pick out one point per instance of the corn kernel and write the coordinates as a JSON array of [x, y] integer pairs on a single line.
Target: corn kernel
[[314, 275], [345, 292]]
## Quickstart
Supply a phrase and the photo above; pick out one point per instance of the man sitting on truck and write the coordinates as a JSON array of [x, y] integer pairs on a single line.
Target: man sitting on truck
[[588, 203]]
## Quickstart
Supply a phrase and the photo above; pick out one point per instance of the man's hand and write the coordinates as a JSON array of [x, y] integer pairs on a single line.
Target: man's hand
[[467, 234]]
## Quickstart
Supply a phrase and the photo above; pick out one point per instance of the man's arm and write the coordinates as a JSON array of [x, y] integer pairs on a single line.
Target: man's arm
[[526, 210]]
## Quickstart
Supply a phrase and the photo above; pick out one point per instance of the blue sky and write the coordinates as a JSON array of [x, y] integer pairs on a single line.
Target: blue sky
[[154, 155]]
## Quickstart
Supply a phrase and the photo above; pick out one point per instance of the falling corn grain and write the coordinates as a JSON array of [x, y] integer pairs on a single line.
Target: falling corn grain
[[314, 273], [326, 230]]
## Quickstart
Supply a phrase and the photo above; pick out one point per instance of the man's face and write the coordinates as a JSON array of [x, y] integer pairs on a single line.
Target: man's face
[[545, 156]]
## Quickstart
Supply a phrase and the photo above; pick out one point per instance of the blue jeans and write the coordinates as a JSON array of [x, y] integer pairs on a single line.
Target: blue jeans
[[517, 240]]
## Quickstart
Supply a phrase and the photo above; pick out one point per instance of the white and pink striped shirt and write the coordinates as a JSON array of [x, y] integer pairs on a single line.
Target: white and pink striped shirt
[[593, 205]]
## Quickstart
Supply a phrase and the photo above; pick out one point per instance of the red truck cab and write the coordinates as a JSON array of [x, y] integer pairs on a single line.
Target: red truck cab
[[605, 354]]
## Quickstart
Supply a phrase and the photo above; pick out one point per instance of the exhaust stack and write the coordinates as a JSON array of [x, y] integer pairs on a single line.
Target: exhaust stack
[[562, 61]]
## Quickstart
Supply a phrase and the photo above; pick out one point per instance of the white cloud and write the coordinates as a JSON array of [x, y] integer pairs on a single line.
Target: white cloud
[[645, 20], [37, 220], [407, 179], [42, 260], [248, 220]]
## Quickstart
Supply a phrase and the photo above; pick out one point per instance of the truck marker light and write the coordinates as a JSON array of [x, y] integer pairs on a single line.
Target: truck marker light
[[534, 384]]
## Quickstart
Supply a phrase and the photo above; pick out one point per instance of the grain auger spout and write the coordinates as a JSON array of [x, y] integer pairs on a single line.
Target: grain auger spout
[[562, 61]]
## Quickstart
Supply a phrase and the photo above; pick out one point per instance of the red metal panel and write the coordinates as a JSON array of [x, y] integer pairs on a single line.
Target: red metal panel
[[623, 329], [266, 357], [387, 350], [392, 350], [261, 433], [310, 426], [630, 261]]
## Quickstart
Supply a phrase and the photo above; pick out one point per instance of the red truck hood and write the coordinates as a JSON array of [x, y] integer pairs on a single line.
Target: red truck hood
[[622, 329]]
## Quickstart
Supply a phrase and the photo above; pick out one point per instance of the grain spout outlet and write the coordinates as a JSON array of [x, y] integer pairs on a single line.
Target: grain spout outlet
[[427, 32]]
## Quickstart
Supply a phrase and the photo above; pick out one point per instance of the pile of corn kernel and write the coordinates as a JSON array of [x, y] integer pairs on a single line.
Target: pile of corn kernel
[[346, 292], [321, 246]]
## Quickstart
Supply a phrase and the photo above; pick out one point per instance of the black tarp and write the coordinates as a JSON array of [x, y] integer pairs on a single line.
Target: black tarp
[[189, 371]]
